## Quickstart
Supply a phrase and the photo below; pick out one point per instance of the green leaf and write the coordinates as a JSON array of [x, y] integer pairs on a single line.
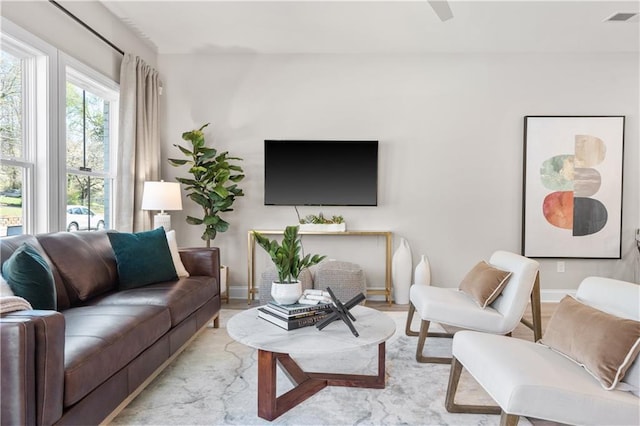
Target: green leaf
[[185, 151], [211, 220], [176, 162], [221, 191], [194, 221], [221, 226], [209, 234]]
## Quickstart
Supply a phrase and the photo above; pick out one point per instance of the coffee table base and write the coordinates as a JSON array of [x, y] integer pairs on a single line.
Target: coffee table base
[[271, 406]]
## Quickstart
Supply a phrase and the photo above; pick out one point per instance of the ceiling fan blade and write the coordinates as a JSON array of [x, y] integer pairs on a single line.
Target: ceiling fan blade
[[442, 9]]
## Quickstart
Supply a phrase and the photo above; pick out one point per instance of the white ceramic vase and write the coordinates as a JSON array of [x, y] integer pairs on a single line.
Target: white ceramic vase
[[422, 274], [401, 267], [286, 294]]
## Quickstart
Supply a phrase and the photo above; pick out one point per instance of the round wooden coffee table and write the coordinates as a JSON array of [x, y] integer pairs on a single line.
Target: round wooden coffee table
[[275, 344]]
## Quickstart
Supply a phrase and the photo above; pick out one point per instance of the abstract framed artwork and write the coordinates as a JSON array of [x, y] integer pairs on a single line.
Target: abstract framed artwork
[[572, 186]]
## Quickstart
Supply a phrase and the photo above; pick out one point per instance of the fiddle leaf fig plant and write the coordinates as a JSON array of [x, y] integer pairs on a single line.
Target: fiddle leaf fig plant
[[287, 256], [213, 182]]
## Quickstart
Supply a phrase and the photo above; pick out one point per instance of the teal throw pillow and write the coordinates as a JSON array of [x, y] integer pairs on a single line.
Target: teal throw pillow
[[143, 258], [30, 277]]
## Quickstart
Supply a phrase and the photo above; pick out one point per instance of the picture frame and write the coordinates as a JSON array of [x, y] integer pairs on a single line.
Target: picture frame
[[572, 186]]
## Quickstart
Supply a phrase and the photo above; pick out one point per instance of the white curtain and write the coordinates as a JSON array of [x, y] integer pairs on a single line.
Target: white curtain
[[138, 143]]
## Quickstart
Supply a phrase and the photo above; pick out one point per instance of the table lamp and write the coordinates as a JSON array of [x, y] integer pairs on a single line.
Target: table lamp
[[161, 196]]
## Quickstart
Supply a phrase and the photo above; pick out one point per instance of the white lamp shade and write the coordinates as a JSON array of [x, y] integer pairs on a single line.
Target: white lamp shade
[[161, 196]]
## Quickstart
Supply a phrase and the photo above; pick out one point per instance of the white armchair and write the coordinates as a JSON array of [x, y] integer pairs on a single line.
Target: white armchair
[[453, 307], [530, 379]]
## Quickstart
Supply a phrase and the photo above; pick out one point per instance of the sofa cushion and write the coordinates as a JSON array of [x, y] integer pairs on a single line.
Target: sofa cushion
[[101, 340], [143, 258], [484, 283], [181, 297], [30, 277], [605, 345], [84, 260]]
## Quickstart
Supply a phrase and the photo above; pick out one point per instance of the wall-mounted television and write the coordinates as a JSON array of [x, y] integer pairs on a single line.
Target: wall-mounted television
[[321, 172]]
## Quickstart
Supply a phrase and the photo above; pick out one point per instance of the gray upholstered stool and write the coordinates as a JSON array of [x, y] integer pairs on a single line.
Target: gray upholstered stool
[[270, 275], [346, 279]]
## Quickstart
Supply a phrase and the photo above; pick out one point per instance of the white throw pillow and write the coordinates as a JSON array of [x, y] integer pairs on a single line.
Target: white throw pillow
[[173, 247], [5, 290]]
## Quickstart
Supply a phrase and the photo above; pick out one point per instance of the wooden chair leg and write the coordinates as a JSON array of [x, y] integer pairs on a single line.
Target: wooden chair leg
[[508, 419], [452, 387], [450, 404], [422, 337], [536, 324], [407, 328], [409, 332], [535, 309]]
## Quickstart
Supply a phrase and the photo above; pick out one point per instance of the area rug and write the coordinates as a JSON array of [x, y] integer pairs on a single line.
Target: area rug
[[214, 382]]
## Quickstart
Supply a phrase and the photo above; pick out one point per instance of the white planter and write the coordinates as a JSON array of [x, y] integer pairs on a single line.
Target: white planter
[[401, 269], [224, 275], [286, 294], [422, 274], [323, 227]]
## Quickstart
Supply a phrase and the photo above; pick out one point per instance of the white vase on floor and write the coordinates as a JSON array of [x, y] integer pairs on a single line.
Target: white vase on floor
[[286, 294], [401, 267], [422, 274]]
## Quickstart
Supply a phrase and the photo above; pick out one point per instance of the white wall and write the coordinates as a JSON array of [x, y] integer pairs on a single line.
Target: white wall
[[451, 135], [52, 25]]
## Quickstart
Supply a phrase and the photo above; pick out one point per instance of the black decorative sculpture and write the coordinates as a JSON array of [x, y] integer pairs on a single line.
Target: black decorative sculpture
[[341, 311]]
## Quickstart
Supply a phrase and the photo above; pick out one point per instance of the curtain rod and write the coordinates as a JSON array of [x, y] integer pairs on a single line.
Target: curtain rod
[[81, 22]]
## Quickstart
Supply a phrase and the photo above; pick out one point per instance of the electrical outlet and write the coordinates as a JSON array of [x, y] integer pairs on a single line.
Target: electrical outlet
[[560, 267]]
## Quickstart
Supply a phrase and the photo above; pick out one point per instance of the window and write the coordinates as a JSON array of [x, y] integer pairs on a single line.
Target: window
[[19, 89], [90, 125], [58, 121]]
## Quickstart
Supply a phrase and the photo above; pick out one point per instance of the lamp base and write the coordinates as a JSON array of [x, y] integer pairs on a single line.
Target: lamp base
[[162, 220]]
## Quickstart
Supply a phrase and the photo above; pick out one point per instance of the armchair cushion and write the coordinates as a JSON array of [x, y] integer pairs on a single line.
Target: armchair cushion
[[449, 306], [584, 334], [30, 277], [529, 379], [484, 283], [135, 271]]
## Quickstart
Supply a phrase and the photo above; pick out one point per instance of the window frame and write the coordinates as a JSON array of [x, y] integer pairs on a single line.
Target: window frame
[[79, 74], [44, 125], [38, 125]]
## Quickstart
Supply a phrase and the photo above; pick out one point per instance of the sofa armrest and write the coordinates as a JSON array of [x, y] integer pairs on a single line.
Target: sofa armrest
[[32, 367], [201, 261]]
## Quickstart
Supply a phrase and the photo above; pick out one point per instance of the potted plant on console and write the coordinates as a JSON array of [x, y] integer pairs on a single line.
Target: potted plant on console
[[213, 186], [288, 262], [320, 223]]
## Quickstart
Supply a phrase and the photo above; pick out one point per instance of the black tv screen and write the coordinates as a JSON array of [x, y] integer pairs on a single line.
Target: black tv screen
[[320, 173]]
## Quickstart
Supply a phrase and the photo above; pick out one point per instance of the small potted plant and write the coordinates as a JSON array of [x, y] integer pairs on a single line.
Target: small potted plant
[[288, 260], [320, 223]]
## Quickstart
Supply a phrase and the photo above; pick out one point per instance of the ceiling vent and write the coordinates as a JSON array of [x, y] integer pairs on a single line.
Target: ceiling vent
[[621, 17]]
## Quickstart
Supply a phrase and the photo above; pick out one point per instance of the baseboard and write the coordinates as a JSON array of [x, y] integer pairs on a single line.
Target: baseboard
[[546, 296]]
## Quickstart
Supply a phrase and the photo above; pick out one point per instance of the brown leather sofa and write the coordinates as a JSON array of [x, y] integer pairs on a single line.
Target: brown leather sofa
[[78, 364]]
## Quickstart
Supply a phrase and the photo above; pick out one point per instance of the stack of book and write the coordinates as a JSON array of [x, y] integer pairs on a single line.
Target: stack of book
[[294, 316]]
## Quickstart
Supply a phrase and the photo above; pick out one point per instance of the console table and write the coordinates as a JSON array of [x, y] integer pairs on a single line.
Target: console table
[[251, 256]]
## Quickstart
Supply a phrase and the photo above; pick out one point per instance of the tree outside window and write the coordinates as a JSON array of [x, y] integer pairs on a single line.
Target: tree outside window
[[13, 168], [88, 154]]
